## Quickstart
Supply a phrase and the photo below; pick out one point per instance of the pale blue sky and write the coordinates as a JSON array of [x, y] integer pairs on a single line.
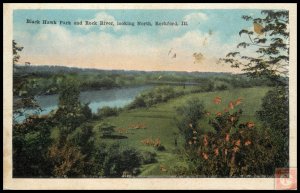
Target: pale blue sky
[[43, 42], [226, 22]]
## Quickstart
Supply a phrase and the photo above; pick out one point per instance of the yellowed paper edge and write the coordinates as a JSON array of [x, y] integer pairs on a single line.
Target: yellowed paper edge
[[145, 183]]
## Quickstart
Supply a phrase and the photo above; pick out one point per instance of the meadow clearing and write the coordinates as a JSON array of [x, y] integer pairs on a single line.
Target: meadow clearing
[[158, 122]]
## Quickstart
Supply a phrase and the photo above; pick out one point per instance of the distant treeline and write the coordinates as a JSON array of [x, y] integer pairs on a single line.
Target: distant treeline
[[45, 80], [53, 70]]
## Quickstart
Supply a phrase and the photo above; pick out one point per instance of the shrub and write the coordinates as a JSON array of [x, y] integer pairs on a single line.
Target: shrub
[[222, 87], [137, 103], [197, 90], [233, 149], [209, 86], [99, 83], [31, 140], [107, 111], [86, 111], [130, 159], [83, 137], [160, 148], [275, 110], [117, 161], [154, 96], [106, 129], [98, 160], [136, 171], [190, 114], [71, 113], [148, 157], [275, 115], [68, 160]]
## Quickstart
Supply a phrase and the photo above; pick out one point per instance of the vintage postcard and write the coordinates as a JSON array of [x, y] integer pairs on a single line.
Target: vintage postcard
[[150, 96]]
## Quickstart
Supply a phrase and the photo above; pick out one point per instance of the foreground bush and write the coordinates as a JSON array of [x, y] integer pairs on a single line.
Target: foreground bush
[[119, 161], [274, 114], [31, 140], [148, 157], [190, 114], [233, 149]]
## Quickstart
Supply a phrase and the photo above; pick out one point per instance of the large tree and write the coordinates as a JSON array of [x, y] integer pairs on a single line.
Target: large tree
[[31, 138], [16, 50], [267, 56], [270, 40], [23, 98]]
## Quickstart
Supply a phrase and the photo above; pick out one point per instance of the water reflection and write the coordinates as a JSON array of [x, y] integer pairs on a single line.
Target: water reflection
[[117, 97]]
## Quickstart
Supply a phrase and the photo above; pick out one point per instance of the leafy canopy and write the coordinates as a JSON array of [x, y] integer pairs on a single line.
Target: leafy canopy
[[270, 38]]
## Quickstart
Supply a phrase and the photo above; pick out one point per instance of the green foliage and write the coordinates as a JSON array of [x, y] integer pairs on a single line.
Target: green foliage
[[86, 111], [22, 105], [22, 88], [117, 161], [138, 102], [99, 83], [130, 159], [69, 118], [71, 113], [107, 112], [148, 157], [32, 137], [274, 114], [190, 114], [16, 50], [154, 96], [209, 87], [47, 80], [69, 94], [78, 144], [159, 123], [271, 62], [71, 154], [98, 160], [275, 110], [222, 87], [233, 149], [272, 54], [106, 129], [75, 155], [68, 160], [160, 148], [83, 137], [31, 140]]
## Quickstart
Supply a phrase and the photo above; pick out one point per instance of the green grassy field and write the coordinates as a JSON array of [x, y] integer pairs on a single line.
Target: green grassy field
[[160, 123]]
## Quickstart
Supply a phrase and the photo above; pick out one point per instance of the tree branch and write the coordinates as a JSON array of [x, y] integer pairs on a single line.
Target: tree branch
[[254, 44]]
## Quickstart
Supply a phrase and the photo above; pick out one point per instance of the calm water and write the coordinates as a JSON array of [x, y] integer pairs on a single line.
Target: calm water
[[117, 97]]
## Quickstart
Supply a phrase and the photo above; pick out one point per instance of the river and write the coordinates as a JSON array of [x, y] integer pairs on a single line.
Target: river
[[116, 97]]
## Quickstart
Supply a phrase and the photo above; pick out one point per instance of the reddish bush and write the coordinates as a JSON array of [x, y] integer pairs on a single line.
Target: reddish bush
[[235, 148]]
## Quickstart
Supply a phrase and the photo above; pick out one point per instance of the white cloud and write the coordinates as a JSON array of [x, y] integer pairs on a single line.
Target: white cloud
[[58, 45], [195, 17], [193, 20], [197, 41]]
